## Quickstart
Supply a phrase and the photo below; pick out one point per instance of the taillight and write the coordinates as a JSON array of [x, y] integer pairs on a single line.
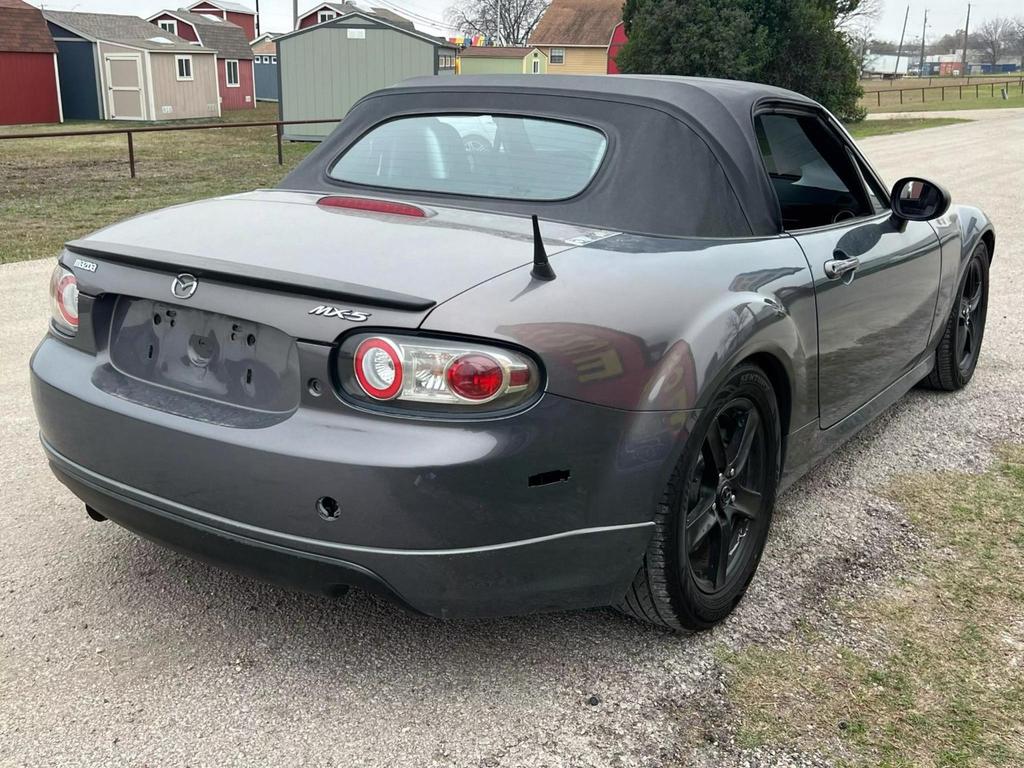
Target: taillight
[[379, 368], [435, 375], [64, 301]]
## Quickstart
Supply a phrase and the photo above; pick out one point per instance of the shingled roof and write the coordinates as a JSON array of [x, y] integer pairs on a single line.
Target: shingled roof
[[23, 29], [577, 22], [130, 30], [227, 39], [494, 52], [232, 7], [383, 14]]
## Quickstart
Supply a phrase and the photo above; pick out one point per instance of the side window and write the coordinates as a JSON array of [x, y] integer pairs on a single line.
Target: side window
[[814, 176]]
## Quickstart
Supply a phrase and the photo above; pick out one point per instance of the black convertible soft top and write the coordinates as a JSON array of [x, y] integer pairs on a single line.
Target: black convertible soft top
[[682, 160]]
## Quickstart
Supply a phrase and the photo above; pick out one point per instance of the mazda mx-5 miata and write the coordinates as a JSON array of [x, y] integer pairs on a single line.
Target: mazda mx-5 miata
[[509, 344]]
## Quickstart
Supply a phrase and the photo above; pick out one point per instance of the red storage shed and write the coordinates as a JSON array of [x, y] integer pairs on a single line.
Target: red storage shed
[[28, 67]]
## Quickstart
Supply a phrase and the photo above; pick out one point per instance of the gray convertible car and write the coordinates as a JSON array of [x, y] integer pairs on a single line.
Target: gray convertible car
[[509, 344]]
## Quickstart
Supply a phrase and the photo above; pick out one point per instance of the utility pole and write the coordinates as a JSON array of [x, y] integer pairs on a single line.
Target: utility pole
[[899, 52], [257, 18], [924, 28], [295, 14], [967, 26]]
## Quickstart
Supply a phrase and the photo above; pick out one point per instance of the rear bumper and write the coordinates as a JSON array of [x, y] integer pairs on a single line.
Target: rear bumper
[[577, 569], [440, 517]]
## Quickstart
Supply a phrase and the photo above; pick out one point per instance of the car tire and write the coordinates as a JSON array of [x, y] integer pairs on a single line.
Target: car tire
[[680, 584], [955, 363]]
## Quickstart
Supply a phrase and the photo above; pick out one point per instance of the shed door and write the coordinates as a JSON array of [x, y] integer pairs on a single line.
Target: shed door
[[124, 87]]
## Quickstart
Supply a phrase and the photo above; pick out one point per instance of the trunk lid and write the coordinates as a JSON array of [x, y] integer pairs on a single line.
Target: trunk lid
[[393, 267]]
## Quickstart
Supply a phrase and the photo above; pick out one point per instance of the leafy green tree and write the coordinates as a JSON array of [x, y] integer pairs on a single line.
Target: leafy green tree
[[790, 43], [808, 55], [703, 38]]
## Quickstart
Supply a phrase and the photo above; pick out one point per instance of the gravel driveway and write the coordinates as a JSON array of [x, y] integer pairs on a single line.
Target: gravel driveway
[[116, 652]]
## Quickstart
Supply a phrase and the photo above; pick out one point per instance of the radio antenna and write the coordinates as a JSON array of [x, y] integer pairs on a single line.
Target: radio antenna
[[541, 267]]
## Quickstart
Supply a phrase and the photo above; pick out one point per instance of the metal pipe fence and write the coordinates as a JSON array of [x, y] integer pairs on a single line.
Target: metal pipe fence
[[959, 88], [130, 132]]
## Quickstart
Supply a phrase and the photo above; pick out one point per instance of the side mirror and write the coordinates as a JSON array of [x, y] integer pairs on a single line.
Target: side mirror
[[916, 199]]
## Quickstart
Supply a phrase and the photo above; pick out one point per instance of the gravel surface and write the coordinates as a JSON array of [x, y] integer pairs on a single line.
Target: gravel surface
[[116, 652]]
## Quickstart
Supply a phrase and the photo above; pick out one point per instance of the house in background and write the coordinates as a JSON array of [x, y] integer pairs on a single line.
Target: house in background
[[29, 89], [233, 12], [264, 57], [495, 60], [329, 11], [576, 35], [234, 56], [618, 40], [328, 67], [122, 68]]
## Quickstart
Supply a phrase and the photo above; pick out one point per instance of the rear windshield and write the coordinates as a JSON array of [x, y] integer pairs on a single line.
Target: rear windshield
[[520, 158]]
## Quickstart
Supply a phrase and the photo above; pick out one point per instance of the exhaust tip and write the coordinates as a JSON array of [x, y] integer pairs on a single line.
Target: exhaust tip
[[94, 515]]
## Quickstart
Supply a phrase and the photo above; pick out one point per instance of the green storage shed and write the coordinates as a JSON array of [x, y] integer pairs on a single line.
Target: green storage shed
[[325, 69]]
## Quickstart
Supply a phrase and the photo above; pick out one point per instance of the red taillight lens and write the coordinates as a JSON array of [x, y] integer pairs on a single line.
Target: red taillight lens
[[371, 205], [475, 377], [379, 369], [436, 375], [64, 301]]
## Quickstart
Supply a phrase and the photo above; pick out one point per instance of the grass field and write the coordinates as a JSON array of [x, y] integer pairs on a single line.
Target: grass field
[[53, 190], [928, 674], [951, 95], [917, 82], [884, 127], [1016, 100]]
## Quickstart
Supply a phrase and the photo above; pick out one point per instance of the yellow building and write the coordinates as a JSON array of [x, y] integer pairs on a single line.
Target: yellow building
[[575, 35]]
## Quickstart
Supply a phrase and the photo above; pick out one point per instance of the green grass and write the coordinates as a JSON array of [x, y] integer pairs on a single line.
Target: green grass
[[934, 673], [867, 128], [1015, 100], [54, 190], [933, 102]]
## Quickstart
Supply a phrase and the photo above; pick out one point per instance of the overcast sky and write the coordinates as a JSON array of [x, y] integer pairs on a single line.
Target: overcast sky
[[275, 15]]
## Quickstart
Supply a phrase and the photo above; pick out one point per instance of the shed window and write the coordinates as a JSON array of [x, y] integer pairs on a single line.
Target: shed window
[[325, 16], [168, 25], [557, 56], [184, 65], [231, 68], [519, 158], [273, 59]]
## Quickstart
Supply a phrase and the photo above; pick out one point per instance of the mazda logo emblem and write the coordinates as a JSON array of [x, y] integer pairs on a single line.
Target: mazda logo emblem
[[184, 286]]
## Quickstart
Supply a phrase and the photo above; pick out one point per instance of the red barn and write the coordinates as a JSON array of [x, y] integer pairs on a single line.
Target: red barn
[[235, 74], [329, 11], [28, 67], [233, 12], [614, 46]]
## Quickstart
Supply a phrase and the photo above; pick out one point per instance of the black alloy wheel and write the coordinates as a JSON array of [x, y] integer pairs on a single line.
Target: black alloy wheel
[[712, 522], [724, 497], [970, 318], [957, 353]]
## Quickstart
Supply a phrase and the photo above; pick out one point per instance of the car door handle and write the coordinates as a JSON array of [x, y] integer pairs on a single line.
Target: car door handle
[[841, 266]]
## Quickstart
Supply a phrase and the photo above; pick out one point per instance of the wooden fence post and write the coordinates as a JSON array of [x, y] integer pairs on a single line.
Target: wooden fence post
[[280, 150]]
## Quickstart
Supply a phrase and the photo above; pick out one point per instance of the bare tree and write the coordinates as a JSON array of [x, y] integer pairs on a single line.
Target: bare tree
[[858, 34], [855, 13], [993, 37], [506, 22], [1017, 38]]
